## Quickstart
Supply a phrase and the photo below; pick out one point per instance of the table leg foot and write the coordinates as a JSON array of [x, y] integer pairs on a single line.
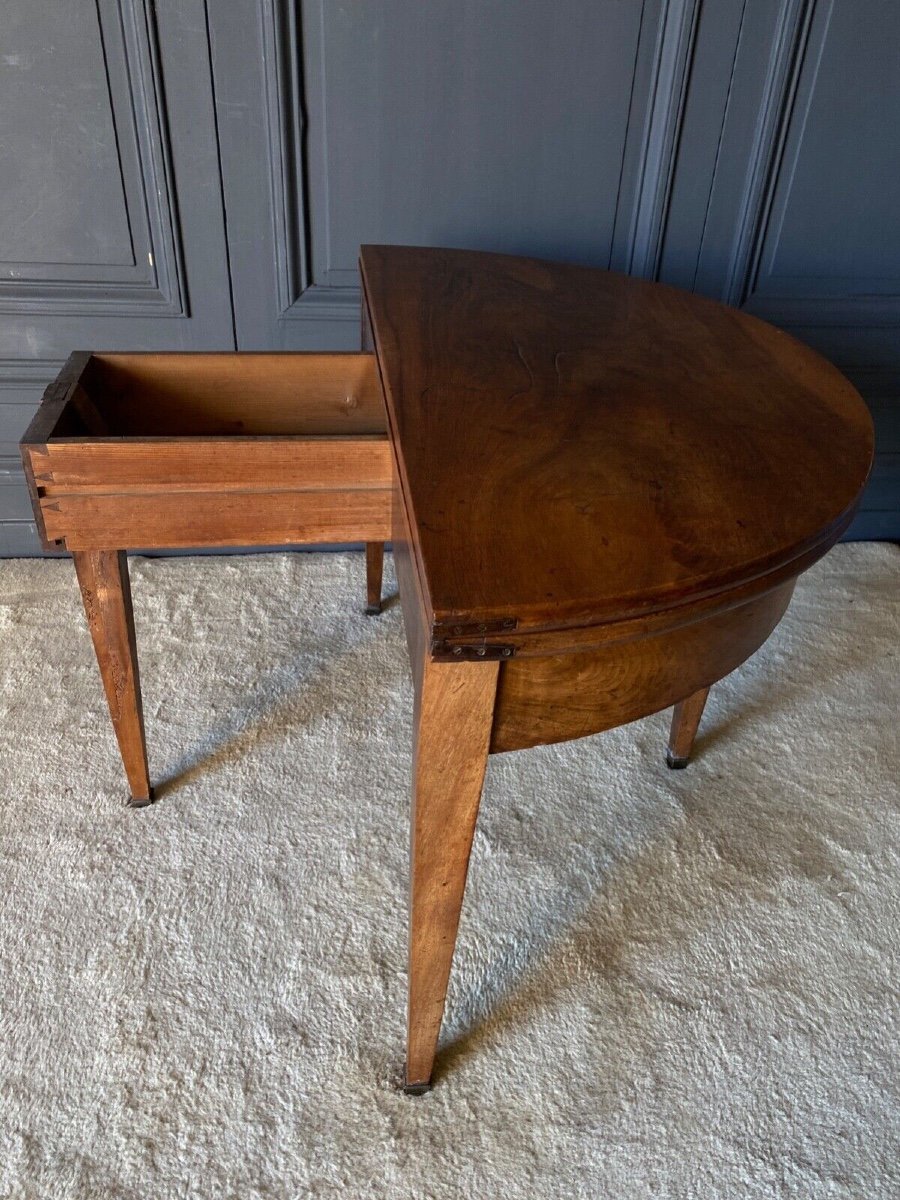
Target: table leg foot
[[685, 722], [142, 801], [374, 573], [417, 1089], [674, 763]]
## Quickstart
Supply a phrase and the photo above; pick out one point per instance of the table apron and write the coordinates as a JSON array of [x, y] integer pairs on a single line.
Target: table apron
[[216, 518], [558, 697]]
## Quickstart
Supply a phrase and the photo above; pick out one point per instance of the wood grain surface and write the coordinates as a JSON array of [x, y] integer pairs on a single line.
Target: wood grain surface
[[455, 702], [180, 450], [214, 518], [248, 393], [577, 446], [106, 593], [553, 698]]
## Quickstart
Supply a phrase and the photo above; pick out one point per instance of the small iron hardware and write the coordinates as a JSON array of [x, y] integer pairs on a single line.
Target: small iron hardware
[[444, 646], [446, 629], [443, 651]]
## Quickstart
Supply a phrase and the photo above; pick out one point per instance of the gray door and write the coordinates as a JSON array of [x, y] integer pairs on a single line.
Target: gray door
[[743, 148], [111, 224], [515, 125], [192, 174], [785, 194]]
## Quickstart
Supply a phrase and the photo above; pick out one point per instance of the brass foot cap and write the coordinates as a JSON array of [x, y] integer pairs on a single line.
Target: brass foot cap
[[141, 801], [674, 762]]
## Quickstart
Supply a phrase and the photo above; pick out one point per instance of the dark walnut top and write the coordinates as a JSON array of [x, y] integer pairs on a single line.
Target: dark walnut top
[[576, 446]]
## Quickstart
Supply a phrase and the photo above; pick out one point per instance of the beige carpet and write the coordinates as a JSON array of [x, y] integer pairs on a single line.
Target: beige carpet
[[668, 984]]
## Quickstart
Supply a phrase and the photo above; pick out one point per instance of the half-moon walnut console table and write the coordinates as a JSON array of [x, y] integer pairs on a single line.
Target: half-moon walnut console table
[[600, 493]]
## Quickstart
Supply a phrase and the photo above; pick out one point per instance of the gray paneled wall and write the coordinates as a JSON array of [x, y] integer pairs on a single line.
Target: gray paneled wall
[[196, 175], [112, 231]]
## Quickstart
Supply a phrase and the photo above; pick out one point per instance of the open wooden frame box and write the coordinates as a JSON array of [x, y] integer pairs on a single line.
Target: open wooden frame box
[[165, 451], [178, 450]]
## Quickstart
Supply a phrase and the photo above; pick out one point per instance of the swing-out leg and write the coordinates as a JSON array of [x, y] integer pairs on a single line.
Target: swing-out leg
[[106, 593]]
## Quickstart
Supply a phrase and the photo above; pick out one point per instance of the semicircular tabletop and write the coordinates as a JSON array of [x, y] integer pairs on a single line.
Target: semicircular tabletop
[[577, 446]]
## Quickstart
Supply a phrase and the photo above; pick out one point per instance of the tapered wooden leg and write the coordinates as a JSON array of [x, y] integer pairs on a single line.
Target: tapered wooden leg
[[685, 720], [105, 590], [453, 727], [374, 571]]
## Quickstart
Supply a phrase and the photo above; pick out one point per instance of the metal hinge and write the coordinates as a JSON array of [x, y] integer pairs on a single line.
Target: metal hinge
[[444, 646], [472, 652]]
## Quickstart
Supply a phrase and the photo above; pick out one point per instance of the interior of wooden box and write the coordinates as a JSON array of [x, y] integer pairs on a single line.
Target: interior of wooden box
[[173, 395]]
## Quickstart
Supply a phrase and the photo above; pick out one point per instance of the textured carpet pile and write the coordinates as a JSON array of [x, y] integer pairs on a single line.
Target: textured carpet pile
[[667, 984]]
